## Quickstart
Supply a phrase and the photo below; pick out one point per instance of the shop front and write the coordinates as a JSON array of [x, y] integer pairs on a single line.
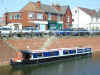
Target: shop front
[[53, 25], [41, 25]]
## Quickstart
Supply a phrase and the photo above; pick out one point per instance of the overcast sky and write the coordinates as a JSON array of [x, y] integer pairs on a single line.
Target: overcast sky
[[15, 5]]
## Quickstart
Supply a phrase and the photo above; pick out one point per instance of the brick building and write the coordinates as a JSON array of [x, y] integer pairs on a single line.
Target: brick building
[[41, 16], [2, 21]]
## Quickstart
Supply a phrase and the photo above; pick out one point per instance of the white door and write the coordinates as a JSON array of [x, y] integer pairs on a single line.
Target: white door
[[42, 27]]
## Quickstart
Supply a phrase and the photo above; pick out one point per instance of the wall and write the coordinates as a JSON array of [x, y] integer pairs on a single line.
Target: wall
[[68, 13], [57, 43], [81, 19]]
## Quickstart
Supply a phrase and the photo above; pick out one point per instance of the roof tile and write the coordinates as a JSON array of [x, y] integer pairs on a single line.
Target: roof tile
[[31, 6], [90, 12]]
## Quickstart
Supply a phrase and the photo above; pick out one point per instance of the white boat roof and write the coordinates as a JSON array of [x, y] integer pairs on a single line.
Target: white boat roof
[[50, 50]]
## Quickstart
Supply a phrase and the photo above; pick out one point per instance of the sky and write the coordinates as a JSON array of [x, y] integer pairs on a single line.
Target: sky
[[16, 5]]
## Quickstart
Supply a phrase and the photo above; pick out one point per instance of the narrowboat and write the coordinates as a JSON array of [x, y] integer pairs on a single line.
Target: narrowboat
[[43, 56]]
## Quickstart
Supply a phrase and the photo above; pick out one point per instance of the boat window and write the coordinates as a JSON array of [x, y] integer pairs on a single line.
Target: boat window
[[55, 53], [72, 51], [36, 55], [79, 50], [45, 54], [39, 54], [65, 52], [26, 56], [87, 49]]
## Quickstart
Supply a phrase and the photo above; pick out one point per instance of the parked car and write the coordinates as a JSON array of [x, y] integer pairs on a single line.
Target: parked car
[[4, 31], [80, 32], [67, 31], [27, 29], [95, 32]]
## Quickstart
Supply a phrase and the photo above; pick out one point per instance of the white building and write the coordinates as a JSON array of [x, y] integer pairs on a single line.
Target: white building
[[85, 18]]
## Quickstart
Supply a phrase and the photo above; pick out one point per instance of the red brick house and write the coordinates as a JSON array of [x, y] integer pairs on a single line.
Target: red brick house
[[41, 16], [2, 21]]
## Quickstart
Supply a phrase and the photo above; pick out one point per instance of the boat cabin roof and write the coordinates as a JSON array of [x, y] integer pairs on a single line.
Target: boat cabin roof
[[49, 50], [38, 51]]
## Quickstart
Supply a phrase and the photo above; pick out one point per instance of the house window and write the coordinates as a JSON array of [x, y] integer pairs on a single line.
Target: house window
[[58, 17], [16, 27], [72, 20], [10, 17], [68, 19], [75, 11], [49, 16], [31, 15], [37, 27], [39, 16], [18, 16]]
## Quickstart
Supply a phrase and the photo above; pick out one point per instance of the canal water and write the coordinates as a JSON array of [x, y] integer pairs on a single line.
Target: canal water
[[74, 66]]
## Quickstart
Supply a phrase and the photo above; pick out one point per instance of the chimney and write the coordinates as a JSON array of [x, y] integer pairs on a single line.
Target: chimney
[[38, 3], [57, 6]]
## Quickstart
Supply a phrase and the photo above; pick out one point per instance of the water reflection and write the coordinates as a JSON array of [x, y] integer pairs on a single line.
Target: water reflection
[[96, 56], [74, 66]]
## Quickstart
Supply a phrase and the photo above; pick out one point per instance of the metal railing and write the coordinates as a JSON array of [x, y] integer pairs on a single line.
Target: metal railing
[[51, 33]]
